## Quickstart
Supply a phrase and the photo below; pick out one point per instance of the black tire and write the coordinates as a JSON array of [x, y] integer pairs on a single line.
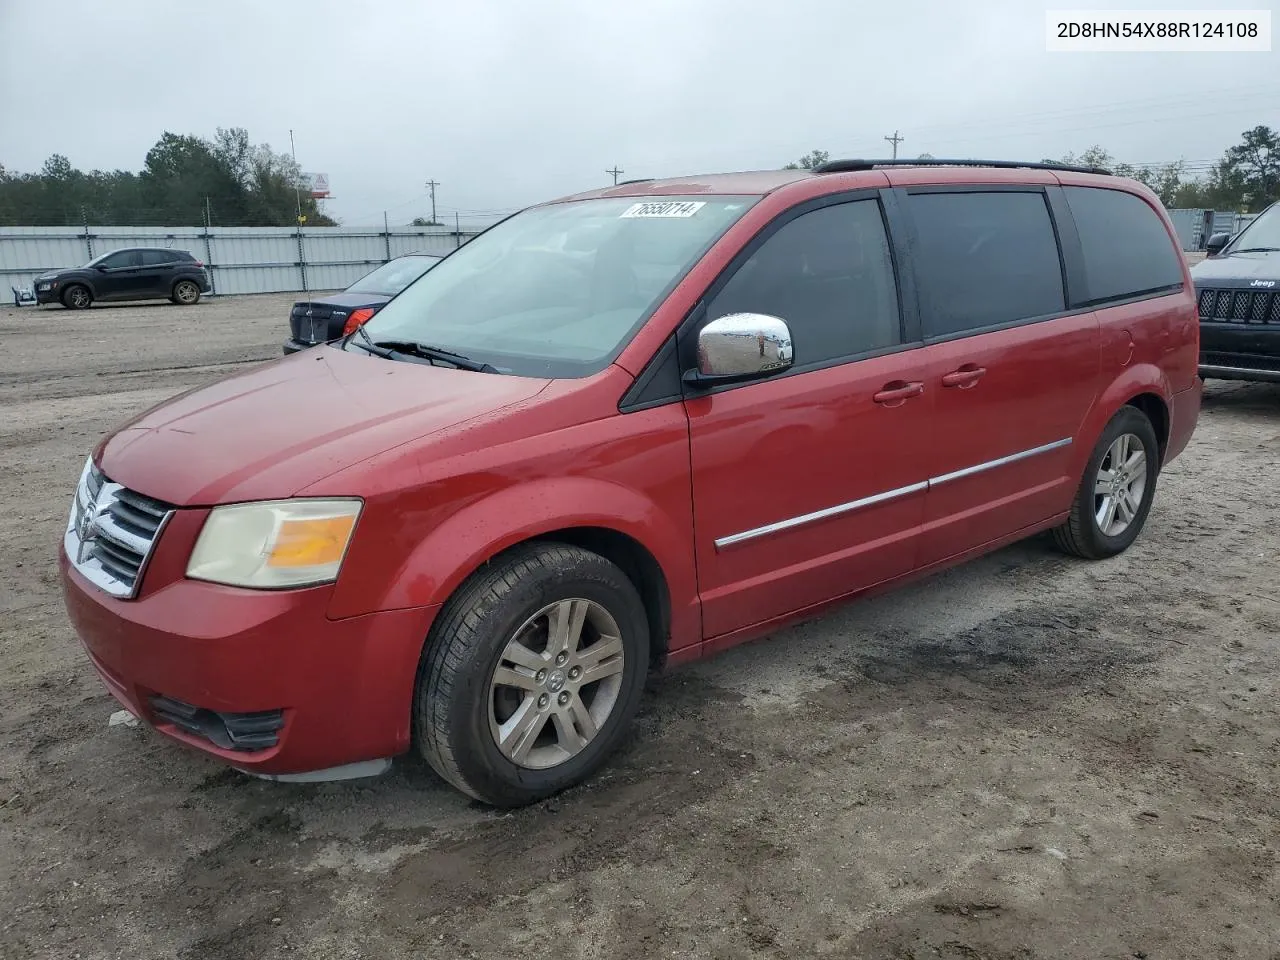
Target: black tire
[[185, 293], [454, 699], [77, 297], [1081, 535]]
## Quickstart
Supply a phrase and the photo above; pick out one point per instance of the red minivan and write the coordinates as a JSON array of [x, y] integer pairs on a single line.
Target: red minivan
[[629, 428]]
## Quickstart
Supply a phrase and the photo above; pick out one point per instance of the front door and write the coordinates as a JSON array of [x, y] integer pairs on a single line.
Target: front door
[[118, 277], [1014, 373], [810, 485]]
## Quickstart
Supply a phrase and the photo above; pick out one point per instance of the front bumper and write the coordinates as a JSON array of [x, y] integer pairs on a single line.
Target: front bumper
[[342, 689], [52, 295], [1237, 351]]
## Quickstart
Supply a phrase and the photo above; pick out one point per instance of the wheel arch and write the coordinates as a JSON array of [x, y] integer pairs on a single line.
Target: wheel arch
[[1143, 386], [653, 547]]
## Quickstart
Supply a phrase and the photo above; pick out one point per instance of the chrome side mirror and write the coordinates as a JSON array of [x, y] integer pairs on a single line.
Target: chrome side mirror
[[741, 346]]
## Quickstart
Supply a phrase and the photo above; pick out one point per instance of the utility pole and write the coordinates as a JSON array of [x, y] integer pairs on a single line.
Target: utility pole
[[895, 140], [431, 185], [616, 173], [297, 186]]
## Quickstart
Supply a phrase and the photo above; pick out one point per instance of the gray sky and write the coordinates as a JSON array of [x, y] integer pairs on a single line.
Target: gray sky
[[508, 102]]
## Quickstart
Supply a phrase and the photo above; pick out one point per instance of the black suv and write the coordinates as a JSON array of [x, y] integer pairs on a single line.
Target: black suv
[[135, 273], [1238, 286]]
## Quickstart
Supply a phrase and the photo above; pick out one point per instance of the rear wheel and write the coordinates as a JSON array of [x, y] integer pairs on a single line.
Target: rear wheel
[[1116, 492], [532, 674], [185, 292], [76, 297]]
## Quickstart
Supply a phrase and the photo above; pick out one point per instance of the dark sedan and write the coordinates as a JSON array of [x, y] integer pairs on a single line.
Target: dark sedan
[[136, 273], [322, 319]]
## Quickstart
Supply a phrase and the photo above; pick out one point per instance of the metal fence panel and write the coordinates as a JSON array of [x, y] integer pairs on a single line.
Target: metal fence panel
[[239, 259]]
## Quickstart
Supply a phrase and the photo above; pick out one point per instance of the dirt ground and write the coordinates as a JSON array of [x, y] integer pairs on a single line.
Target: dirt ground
[[1026, 757]]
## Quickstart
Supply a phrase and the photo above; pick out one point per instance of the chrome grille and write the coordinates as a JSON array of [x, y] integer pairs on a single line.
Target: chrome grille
[[111, 532], [1240, 306]]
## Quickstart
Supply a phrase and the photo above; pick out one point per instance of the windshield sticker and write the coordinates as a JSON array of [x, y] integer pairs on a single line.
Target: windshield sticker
[[667, 208]]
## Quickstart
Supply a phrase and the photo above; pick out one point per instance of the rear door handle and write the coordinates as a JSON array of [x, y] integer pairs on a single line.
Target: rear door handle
[[966, 376], [897, 391]]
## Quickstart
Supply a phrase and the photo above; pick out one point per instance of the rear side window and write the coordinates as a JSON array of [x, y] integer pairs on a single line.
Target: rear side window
[[1127, 251], [984, 259], [151, 258], [829, 275]]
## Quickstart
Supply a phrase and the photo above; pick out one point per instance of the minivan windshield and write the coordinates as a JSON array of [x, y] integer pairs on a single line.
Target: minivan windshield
[[556, 290], [1262, 234], [393, 276]]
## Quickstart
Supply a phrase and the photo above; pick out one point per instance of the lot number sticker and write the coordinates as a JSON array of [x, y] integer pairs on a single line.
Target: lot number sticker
[[666, 208]]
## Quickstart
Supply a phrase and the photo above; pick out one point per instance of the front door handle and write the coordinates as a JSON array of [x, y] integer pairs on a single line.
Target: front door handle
[[898, 391], [965, 377]]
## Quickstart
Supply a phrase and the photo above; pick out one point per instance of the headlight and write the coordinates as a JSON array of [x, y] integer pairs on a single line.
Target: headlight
[[275, 543]]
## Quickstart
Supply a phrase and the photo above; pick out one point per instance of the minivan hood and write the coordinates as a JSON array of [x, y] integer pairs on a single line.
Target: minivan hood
[[274, 430], [1238, 266]]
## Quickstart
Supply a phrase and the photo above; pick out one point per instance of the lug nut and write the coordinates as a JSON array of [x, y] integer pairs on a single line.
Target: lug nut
[[542, 676], [543, 700], [561, 658], [563, 698], [575, 673]]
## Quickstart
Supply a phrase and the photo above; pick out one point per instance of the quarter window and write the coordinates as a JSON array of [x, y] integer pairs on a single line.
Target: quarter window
[[827, 273], [1127, 250], [984, 259]]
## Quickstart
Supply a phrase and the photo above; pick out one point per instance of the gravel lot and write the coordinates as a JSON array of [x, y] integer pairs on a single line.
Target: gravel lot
[[1026, 757]]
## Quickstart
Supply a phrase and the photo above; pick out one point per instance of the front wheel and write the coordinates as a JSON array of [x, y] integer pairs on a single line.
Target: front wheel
[[532, 674], [77, 297], [185, 292], [1116, 491]]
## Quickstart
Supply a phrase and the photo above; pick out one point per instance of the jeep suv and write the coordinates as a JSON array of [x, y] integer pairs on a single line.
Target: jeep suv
[[757, 395], [1238, 289]]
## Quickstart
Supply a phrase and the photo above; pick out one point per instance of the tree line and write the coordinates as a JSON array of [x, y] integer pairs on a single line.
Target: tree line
[[185, 180], [1246, 179]]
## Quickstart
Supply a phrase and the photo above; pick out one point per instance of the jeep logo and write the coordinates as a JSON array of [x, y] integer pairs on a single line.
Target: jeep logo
[[1263, 283]]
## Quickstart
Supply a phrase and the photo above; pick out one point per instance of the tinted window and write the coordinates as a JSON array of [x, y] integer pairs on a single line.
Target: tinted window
[[121, 258], [1127, 250], [153, 257], [984, 259], [828, 274]]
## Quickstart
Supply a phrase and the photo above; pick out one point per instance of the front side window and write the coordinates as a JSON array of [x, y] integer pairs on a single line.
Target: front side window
[[1127, 250], [557, 290], [828, 274], [120, 258], [984, 259]]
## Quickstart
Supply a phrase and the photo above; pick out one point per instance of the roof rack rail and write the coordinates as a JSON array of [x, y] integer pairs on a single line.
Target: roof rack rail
[[639, 180], [846, 166]]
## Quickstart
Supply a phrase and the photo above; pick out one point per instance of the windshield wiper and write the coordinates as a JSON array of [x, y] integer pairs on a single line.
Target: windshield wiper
[[1258, 250], [389, 348], [428, 352]]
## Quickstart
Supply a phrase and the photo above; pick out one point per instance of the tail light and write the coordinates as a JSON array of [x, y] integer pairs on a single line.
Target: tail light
[[357, 320]]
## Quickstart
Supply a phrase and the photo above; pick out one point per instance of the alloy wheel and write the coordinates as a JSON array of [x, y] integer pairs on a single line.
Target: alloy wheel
[[556, 683], [1120, 485]]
